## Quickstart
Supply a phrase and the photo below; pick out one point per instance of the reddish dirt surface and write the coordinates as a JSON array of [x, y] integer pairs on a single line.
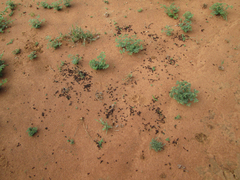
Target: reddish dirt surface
[[204, 144]]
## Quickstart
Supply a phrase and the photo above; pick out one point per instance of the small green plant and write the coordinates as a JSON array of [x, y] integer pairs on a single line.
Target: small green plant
[[17, 51], [153, 68], [67, 3], [100, 64], [140, 10], [106, 2], [186, 24], [130, 44], [168, 30], [4, 22], [11, 4], [35, 23], [157, 146], [155, 99], [105, 125], [56, 5], [219, 9], [2, 65], [178, 117], [183, 37], [171, 11], [128, 78], [54, 43], [36, 43], [61, 65], [11, 13], [32, 130], [46, 5], [3, 82], [32, 14], [100, 143], [75, 59], [188, 15], [78, 34], [71, 141], [11, 41], [32, 55], [183, 94]]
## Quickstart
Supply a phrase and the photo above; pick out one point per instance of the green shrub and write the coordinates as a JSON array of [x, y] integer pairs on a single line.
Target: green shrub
[[219, 9], [3, 82], [54, 43], [4, 21], [32, 130], [130, 44], [100, 64], [105, 124], [75, 59], [182, 93], [168, 30], [67, 3], [32, 55], [35, 23], [11, 4], [171, 11], [157, 146], [188, 15], [78, 34], [17, 51], [186, 24], [2, 65], [56, 5], [46, 5]]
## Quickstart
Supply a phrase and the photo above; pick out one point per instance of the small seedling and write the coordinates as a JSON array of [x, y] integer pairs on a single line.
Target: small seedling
[[167, 139], [32, 55], [71, 141], [46, 5], [32, 130], [140, 10], [168, 30], [54, 43], [153, 68], [67, 3], [188, 16], [106, 2], [183, 37], [130, 44], [171, 11], [157, 146], [32, 14], [11, 4], [100, 143], [129, 77], [105, 124], [56, 5], [154, 98], [36, 43], [3, 82], [221, 67], [100, 64], [178, 117], [11, 41], [17, 51], [35, 23], [182, 93], [219, 9], [186, 26], [75, 59], [61, 65]]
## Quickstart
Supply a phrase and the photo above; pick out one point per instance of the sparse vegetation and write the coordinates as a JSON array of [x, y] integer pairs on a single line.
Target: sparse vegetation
[[157, 146], [32, 130], [130, 44], [171, 11], [140, 10], [3, 82], [183, 94], [178, 117], [46, 5], [35, 23], [54, 43], [32, 55], [56, 5], [71, 141], [11, 4], [2, 65], [168, 30], [4, 22], [186, 24], [100, 64], [10, 42], [67, 3], [100, 143], [105, 125], [220, 9], [17, 51], [75, 59]]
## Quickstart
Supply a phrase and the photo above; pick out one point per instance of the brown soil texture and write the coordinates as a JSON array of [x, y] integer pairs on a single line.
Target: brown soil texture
[[204, 144]]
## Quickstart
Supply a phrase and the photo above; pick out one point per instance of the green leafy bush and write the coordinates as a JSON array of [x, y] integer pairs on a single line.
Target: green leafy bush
[[56, 5], [32, 130], [67, 3], [183, 94], [3, 82], [17, 51], [188, 15], [100, 64], [54, 43], [35, 23], [75, 59], [186, 24], [2, 65], [4, 21], [11, 4], [78, 34], [157, 146], [130, 44], [171, 11], [46, 5], [219, 9], [105, 124], [32, 55], [168, 30]]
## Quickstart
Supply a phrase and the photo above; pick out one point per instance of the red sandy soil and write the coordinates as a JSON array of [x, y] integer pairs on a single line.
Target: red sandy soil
[[204, 144]]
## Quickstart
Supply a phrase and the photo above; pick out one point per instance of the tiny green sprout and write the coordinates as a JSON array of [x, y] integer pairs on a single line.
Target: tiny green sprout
[[91, 16], [32, 130], [32, 55], [154, 98], [107, 2], [36, 43], [178, 117], [75, 59], [17, 51], [153, 68], [125, 16], [11, 41], [71, 141], [168, 30], [140, 10], [100, 143], [167, 139], [35, 23], [105, 125]]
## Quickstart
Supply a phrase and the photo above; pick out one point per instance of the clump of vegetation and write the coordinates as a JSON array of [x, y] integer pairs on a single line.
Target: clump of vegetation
[[71, 141], [100, 64], [2, 65], [188, 16], [35, 23], [183, 94], [54, 43], [171, 11], [186, 24], [75, 59], [130, 44], [56, 5], [157, 146], [17, 51], [100, 143], [4, 22], [61, 65], [107, 2], [46, 5], [11, 4], [78, 34], [105, 125], [168, 30], [32, 130], [67, 3], [219, 9], [32, 55]]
